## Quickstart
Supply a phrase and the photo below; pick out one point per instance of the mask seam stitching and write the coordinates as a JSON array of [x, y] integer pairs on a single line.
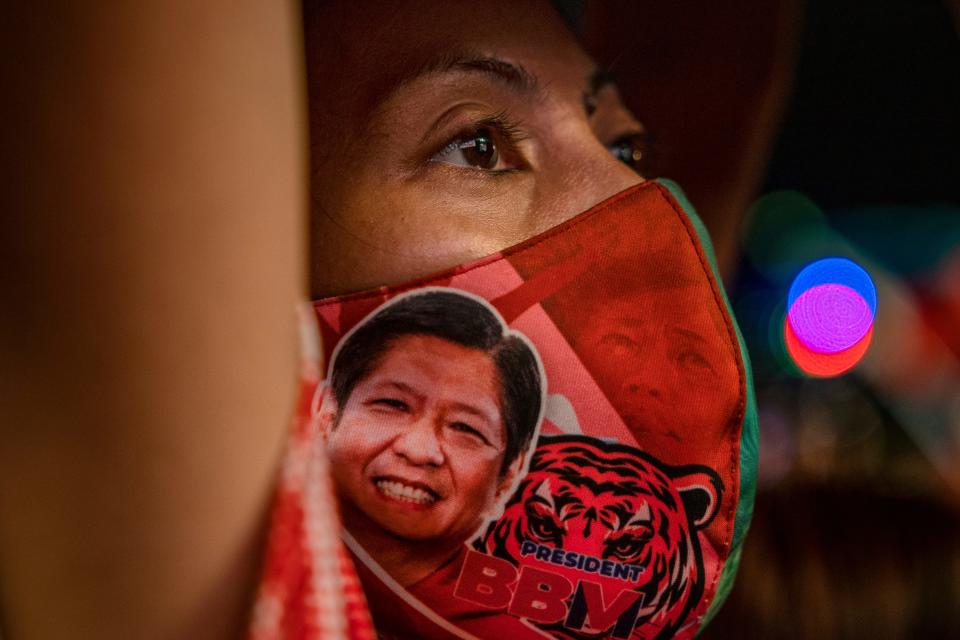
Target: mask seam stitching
[[737, 418]]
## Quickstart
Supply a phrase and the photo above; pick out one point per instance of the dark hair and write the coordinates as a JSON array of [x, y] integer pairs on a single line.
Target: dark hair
[[462, 320]]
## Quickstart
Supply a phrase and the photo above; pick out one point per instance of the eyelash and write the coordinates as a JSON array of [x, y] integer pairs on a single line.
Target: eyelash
[[511, 129], [509, 133]]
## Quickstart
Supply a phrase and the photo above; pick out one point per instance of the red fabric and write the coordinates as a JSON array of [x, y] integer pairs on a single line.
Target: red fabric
[[647, 396], [309, 589]]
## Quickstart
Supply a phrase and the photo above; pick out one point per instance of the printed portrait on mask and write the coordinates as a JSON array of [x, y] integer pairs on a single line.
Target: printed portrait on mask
[[543, 443], [430, 411]]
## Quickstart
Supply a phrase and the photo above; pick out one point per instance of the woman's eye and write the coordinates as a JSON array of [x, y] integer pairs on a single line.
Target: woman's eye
[[632, 150], [478, 150]]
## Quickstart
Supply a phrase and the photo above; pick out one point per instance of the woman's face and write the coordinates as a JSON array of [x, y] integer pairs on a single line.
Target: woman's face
[[445, 131]]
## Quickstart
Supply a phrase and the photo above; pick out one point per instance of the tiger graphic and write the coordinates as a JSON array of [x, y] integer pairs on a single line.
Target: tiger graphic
[[613, 503]]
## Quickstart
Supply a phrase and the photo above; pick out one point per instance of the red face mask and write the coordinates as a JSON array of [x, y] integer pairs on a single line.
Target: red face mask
[[554, 441]]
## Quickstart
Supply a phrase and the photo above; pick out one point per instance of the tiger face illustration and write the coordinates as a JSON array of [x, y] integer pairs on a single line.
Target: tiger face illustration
[[610, 502]]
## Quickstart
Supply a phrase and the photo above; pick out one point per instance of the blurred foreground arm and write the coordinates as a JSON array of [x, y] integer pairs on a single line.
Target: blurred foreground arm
[[151, 262]]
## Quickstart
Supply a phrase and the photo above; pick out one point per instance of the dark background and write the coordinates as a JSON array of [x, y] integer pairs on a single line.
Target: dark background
[[874, 115], [856, 530]]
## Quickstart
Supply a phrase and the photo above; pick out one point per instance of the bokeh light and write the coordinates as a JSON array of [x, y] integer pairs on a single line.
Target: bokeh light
[[831, 308], [834, 271], [830, 317], [824, 365]]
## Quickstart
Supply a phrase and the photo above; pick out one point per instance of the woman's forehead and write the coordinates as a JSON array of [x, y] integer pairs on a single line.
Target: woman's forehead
[[357, 51]]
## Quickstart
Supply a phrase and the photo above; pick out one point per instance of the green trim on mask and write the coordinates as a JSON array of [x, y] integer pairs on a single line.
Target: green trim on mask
[[748, 435]]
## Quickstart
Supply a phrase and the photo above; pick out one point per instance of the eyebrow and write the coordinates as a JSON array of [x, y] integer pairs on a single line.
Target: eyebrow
[[511, 74], [514, 75], [600, 79], [400, 386], [597, 81]]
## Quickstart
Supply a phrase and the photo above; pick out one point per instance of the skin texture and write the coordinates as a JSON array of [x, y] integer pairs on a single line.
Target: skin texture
[[385, 209], [428, 417]]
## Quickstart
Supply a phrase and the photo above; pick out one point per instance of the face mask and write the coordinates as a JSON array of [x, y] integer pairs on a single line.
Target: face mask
[[558, 440]]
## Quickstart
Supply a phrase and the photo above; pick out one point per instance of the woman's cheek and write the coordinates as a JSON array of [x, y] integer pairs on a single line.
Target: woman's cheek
[[474, 211], [392, 231]]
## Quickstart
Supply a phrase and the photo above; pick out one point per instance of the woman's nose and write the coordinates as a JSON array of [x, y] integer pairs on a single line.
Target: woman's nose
[[419, 443], [603, 175], [585, 173]]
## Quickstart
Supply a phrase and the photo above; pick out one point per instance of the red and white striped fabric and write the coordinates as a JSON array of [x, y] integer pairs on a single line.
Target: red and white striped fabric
[[309, 589]]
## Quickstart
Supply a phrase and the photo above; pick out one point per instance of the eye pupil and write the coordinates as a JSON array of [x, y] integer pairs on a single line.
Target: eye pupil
[[481, 151]]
